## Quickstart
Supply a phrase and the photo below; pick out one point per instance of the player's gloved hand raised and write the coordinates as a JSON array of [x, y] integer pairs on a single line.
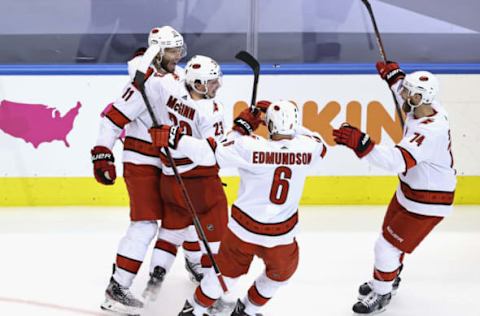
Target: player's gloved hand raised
[[263, 105], [103, 165], [354, 139], [247, 122], [166, 136], [390, 72]]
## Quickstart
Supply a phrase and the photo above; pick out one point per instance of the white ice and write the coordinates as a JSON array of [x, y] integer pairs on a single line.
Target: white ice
[[57, 261]]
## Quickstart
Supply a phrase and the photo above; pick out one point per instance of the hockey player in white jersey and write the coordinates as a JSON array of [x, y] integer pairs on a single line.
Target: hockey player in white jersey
[[194, 110], [424, 162], [142, 167], [264, 218]]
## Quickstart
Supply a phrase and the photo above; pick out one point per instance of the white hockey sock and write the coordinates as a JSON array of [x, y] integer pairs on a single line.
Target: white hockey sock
[[132, 249], [166, 246], [260, 293], [387, 262], [191, 246]]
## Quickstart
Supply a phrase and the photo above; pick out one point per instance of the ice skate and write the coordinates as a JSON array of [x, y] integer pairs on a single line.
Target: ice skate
[[366, 288], [240, 310], [194, 271], [187, 310], [372, 304], [221, 308], [118, 299], [154, 284]]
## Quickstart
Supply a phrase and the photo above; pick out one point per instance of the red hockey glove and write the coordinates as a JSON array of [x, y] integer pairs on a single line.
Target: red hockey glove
[[247, 122], [103, 165], [166, 136], [390, 72], [354, 139], [263, 105]]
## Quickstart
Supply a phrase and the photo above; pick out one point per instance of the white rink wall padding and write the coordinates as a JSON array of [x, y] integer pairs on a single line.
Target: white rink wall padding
[[48, 125]]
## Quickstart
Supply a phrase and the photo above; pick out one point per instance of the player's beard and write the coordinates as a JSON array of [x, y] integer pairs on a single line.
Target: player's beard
[[168, 66], [406, 107]]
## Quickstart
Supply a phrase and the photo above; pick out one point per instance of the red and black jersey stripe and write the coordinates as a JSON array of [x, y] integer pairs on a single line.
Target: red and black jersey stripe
[[268, 229], [140, 146], [117, 117], [427, 196]]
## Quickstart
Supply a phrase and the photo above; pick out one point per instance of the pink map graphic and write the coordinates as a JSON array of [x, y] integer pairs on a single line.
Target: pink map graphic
[[36, 123]]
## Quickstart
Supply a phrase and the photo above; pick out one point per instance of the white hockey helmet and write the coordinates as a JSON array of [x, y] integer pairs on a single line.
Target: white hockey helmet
[[201, 69], [167, 37], [422, 82], [282, 118]]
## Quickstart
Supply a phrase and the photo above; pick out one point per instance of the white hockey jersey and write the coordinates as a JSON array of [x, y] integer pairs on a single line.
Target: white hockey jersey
[[198, 118], [272, 176], [130, 113], [424, 162]]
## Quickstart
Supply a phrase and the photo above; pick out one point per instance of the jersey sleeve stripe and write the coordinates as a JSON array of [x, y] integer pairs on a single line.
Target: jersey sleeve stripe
[[140, 146], [410, 162], [324, 151], [270, 229], [427, 197], [213, 144], [117, 117]]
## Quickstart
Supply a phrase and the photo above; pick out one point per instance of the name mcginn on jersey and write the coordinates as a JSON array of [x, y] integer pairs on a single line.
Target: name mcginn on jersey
[[182, 109]]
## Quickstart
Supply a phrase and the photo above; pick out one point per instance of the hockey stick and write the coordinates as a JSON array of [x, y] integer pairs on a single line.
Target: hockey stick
[[383, 55], [248, 59], [139, 82]]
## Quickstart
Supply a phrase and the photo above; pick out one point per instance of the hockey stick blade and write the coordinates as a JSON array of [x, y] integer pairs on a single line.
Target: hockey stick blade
[[248, 59], [253, 63]]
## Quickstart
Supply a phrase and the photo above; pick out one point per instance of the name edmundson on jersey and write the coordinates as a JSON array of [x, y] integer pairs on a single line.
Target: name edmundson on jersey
[[281, 158]]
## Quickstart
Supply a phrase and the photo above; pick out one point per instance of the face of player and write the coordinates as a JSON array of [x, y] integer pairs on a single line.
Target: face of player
[[171, 57], [410, 100], [211, 87]]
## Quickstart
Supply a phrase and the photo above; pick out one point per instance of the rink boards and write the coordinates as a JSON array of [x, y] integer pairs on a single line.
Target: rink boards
[[58, 172]]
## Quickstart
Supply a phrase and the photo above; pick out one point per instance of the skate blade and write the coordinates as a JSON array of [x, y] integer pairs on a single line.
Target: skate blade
[[373, 313], [150, 296], [113, 309]]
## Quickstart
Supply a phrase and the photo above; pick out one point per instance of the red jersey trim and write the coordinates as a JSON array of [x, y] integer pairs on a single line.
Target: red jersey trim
[[270, 229], [117, 117], [427, 197], [410, 162], [140, 146]]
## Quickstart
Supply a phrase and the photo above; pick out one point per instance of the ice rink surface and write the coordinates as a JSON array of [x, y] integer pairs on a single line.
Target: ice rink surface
[[57, 261]]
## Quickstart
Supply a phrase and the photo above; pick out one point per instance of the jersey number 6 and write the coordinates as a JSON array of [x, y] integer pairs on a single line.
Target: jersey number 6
[[280, 185]]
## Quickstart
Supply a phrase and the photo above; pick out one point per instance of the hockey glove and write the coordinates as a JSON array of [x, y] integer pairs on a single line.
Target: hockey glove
[[103, 165], [263, 105], [354, 139], [166, 136], [390, 72], [247, 122]]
